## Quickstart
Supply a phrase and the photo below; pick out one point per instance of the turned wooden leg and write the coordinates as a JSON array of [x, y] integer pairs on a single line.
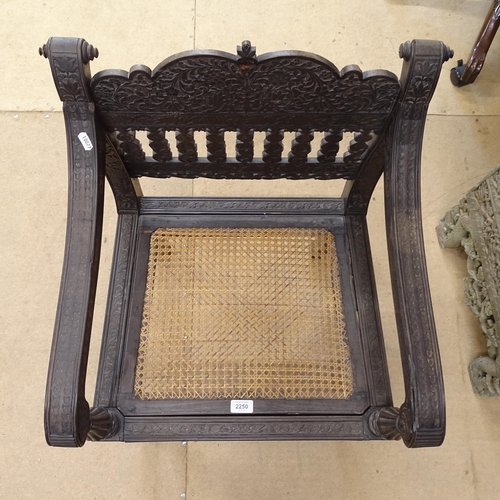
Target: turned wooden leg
[[465, 74]]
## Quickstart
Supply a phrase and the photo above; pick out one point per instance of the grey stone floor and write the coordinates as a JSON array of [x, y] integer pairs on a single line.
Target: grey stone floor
[[460, 148]]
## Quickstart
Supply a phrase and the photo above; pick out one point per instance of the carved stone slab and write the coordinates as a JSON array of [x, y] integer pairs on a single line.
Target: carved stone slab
[[474, 225]]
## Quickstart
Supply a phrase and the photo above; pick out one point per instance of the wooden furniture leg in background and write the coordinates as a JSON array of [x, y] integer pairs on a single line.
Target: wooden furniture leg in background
[[464, 74]]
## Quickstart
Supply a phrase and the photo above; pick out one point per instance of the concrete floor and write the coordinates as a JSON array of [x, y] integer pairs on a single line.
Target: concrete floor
[[460, 148]]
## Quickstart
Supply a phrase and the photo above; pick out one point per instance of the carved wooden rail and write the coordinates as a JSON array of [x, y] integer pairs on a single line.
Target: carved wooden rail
[[241, 163]]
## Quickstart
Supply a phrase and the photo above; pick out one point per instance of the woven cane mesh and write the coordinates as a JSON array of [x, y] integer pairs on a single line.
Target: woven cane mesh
[[243, 314]]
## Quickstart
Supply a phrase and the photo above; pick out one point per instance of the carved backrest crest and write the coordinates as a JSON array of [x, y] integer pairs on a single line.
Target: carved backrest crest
[[214, 83]]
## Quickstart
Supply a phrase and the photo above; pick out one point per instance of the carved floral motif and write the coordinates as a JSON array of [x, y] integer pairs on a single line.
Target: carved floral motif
[[422, 84], [334, 206], [235, 429], [473, 225], [217, 84], [69, 79]]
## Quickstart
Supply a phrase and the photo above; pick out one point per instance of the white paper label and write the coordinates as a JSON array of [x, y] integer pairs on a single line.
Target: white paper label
[[241, 406], [85, 140]]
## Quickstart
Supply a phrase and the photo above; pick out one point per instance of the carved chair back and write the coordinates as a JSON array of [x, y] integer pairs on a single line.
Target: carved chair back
[[217, 92]]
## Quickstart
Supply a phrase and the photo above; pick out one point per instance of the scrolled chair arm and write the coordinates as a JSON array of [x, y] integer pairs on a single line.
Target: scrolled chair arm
[[421, 418], [68, 418]]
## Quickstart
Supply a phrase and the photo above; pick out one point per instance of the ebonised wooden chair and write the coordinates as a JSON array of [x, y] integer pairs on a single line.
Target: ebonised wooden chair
[[240, 318]]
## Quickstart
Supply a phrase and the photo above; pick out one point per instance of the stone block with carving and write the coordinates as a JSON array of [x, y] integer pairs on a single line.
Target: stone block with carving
[[474, 224]]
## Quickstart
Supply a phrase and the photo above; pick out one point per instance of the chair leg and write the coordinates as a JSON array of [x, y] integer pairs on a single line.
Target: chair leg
[[384, 423], [103, 424], [464, 74]]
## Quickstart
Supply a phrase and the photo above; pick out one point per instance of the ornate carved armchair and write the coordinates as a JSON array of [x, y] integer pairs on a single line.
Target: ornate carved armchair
[[242, 318]]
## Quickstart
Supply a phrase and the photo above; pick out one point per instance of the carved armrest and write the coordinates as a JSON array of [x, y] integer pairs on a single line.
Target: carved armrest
[[67, 414], [421, 418]]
